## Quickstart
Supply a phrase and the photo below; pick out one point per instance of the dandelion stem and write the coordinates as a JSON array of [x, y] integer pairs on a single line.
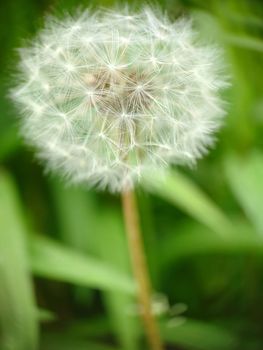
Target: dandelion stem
[[140, 271]]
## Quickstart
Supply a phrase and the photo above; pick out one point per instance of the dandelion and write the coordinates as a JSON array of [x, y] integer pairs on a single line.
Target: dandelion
[[109, 96]]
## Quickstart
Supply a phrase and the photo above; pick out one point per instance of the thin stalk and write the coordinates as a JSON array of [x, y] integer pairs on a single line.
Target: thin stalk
[[131, 217]]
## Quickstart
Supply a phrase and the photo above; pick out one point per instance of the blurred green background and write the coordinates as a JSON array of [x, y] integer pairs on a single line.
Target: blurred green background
[[65, 277]]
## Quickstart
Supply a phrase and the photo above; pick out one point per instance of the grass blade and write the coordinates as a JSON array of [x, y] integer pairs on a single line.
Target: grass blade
[[198, 335], [184, 194], [245, 179], [18, 321], [245, 42], [195, 240], [53, 260]]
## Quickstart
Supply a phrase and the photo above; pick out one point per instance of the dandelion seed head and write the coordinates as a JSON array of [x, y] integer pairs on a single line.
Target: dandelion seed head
[[109, 95]]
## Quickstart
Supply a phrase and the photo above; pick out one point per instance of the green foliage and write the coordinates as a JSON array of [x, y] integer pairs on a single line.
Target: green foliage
[[184, 194], [245, 179], [198, 335], [202, 227], [18, 322], [52, 260]]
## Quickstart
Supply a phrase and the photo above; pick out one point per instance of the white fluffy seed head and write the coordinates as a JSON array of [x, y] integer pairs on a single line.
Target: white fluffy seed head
[[109, 95]]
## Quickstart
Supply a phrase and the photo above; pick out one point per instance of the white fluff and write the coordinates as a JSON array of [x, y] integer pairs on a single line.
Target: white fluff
[[108, 95]]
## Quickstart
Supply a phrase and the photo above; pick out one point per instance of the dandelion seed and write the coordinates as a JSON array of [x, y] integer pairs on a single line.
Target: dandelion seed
[[110, 95]]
